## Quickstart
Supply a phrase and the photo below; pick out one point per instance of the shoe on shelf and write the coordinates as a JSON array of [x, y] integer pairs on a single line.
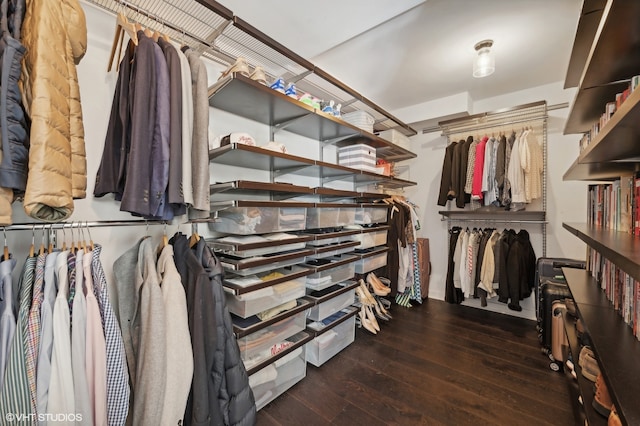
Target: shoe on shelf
[[602, 400], [240, 66], [590, 368], [378, 288], [259, 76], [278, 85], [614, 419], [290, 91], [365, 322]]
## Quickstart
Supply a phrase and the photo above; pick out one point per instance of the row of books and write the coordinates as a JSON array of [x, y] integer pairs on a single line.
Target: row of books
[[622, 290], [609, 109], [613, 205]]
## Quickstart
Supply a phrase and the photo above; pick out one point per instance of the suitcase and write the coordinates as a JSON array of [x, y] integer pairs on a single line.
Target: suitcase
[[549, 269], [424, 262], [550, 292], [559, 339]]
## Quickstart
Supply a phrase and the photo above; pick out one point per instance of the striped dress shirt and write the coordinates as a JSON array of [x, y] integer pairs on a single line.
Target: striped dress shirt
[[118, 390], [16, 396], [33, 328]]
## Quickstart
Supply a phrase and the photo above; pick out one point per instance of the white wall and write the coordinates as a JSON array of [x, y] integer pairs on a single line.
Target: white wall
[[566, 201]]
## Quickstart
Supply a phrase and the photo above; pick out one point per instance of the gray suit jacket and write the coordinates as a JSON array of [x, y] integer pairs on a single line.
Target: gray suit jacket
[[200, 141]]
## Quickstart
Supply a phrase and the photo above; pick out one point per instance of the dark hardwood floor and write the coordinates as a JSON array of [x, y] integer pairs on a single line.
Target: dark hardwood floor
[[432, 364]]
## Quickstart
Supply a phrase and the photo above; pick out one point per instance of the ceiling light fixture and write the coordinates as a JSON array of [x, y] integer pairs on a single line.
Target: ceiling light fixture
[[485, 62]]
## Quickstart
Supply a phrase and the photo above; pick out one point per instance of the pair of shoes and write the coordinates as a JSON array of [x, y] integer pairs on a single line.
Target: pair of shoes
[[259, 76], [366, 322], [587, 361], [367, 298], [602, 400], [376, 285], [290, 91], [614, 419], [239, 66], [278, 85]]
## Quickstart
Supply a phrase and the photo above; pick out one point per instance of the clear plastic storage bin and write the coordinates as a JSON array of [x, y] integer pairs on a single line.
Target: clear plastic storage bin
[[371, 263], [369, 239], [371, 214], [256, 347], [330, 276], [272, 381], [330, 343], [247, 304], [259, 220], [329, 217], [331, 306]]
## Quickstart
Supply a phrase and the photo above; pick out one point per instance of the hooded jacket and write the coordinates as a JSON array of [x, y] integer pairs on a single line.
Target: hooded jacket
[[55, 36]]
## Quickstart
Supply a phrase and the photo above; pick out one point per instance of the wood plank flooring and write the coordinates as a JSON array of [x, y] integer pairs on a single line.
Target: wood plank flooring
[[434, 364]]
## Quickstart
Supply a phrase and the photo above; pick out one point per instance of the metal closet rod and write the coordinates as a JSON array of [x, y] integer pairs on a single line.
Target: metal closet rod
[[526, 222], [82, 224], [535, 120]]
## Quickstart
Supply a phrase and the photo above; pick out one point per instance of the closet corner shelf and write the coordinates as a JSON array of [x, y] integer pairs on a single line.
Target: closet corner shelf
[[612, 59], [253, 157], [349, 312], [612, 342], [584, 386], [618, 139], [502, 216], [619, 247], [247, 98], [299, 339], [598, 171]]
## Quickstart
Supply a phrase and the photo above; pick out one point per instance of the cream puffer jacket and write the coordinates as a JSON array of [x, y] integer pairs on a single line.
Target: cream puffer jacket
[[55, 35]]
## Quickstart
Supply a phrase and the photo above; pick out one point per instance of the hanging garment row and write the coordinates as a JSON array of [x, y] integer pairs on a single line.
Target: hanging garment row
[[486, 263], [155, 347], [403, 265], [155, 158], [43, 151], [503, 172]]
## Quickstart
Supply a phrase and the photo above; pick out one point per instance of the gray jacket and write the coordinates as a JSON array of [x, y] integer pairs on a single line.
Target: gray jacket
[[13, 126]]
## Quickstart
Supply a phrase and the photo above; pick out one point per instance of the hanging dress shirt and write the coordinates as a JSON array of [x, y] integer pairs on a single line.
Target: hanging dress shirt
[[15, 396], [79, 338], [178, 340], [95, 350], [516, 174], [61, 393], [43, 374], [33, 327], [7, 313], [471, 164], [118, 390], [187, 128], [476, 189]]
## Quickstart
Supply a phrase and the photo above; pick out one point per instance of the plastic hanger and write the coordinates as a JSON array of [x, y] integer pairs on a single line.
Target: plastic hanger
[[122, 26]]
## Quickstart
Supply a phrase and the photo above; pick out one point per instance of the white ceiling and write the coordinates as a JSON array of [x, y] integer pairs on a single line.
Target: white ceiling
[[405, 52]]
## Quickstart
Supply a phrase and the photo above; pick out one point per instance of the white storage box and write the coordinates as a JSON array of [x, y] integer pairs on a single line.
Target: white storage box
[[259, 220], [371, 214], [331, 306], [256, 347], [331, 342], [361, 119], [273, 380], [371, 263], [372, 238], [332, 240], [330, 276], [360, 156], [396, 138], [332, 250], [329, 217], [247, 304]]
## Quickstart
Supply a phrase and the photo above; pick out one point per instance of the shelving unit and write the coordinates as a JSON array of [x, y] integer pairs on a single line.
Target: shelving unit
[[598, 171], [522, 216], [612, 341], [611, 62]]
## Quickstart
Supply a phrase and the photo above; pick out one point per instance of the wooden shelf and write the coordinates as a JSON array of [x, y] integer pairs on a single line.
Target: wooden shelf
[[618, 139], [586, 32], [584, 386], [613, 343], [502, 216], [260, 191], [613, 58], [619, 247], [598, 171], [247, 98]]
